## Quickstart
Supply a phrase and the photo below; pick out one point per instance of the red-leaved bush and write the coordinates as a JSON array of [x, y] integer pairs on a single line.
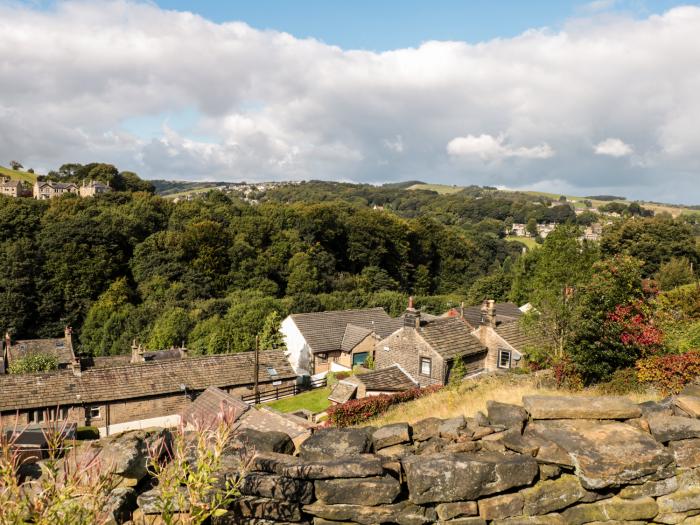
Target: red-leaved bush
[[635, 327], [358, 411], [670, 373]]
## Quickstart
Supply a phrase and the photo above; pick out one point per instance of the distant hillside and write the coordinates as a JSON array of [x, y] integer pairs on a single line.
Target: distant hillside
[[674, 209], [17, 174]]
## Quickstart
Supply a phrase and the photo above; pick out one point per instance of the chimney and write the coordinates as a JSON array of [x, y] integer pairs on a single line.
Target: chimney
[[411, 318], [461, 310], [136, 353], [488, 313], [8, 341]]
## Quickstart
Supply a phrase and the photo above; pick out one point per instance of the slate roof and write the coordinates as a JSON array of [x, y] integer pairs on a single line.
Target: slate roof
[[140, 380], [208, 405], [505, 312], [353, 336], [266, 419], [390, 379], [324, 331], [57, 347], [515, 336], [342, 392], [451, 337]]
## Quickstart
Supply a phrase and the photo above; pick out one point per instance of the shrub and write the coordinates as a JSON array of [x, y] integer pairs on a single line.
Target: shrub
[[84, 433], [669, 373], [621, 382], [34, 363], [358, 411]]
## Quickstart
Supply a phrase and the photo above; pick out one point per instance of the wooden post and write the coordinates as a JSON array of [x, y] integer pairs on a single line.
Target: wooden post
[[255, 372]]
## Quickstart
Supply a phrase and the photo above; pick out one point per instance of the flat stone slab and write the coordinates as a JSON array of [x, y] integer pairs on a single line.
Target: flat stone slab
[[689, 404], [607, 453], [401, 513], [444, 477], [673, 428], [579, 407], [366, 491]]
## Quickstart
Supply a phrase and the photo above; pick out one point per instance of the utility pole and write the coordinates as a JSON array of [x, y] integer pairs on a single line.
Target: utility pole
[[255, 372]]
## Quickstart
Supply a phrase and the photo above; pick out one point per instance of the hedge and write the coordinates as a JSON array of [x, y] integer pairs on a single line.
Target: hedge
[[670, 373], [358, 411]]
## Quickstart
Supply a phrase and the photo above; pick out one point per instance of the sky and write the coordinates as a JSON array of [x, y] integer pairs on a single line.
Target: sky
[[570, 97]]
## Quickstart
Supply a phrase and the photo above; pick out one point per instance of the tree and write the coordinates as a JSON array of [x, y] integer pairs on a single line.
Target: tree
[[170, 329], [562, 198], [34, 363], [15, 165], [422, 281], [676, 272], [531, 227], [458, 371], [563, 264], [270, 335]]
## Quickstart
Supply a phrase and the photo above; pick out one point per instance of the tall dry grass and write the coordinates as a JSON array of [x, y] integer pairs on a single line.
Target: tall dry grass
[[471, 396]]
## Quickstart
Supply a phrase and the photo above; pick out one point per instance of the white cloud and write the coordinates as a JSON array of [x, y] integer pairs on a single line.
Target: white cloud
[[266, 105], [489, 148], [599, 5], [613, 148]]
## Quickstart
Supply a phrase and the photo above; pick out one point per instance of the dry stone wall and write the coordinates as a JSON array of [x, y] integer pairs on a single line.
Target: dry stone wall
[[556, 460]]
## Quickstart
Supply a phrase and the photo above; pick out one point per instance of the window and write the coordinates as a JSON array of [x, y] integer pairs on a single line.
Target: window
[[323, 358], [94, 412], [360, 358], [426, 366], [504, 359], [35, 416], [271, 371]]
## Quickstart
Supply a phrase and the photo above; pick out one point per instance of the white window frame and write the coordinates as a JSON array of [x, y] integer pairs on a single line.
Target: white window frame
[[99, 412], [501, 352], [425, 361]]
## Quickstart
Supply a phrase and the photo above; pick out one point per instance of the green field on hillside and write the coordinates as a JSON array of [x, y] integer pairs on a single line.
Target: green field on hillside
[[17, 174], [442, 189], [527, 241]]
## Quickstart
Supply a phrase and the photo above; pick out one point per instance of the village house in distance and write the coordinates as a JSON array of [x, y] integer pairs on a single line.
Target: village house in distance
[[126, 392]]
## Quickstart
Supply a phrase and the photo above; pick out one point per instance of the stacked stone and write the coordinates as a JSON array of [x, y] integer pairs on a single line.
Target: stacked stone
[[556, 460]]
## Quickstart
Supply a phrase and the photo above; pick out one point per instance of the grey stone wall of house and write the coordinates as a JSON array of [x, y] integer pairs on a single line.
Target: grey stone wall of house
[[554, 460], [406, 348]]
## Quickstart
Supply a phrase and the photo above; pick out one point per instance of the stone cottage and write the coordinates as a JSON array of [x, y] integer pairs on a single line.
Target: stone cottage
[[320, 342]]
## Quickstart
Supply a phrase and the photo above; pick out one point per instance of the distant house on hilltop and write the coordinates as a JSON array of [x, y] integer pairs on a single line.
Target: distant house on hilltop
[[320, 342], [93, 188], [10, 187], [48, 189]]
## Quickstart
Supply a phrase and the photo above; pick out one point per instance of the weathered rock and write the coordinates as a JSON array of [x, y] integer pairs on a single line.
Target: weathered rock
[[246, 507], [396, 451], [426, 428], [570, 407], [461, 509], [673, 428], [688, 478], [663, 407], [464, 521], [365, 491], [329, 443], [549, 519], [689, 404], [125, 454], [521, 444], [462, 446], [549, 471], [502, 506], [120, 504], [151, 502], [675, 517], [263, 441], [552, 495], [680, 501], [450, 428], [510, 416], [461, 477], [363, 466], [607, 453], [431, 446], [277, 487], [403, 513], [686, 452], [389, 435], [231, 518], [650, 488], [611, 509], [360, 466]]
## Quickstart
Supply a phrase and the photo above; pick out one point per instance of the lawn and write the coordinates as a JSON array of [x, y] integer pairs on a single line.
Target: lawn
[[527, 241], [16, 174], [316, 401], [442, 189]]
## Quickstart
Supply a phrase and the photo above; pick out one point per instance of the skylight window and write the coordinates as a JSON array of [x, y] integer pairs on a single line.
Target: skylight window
[[271, 371]]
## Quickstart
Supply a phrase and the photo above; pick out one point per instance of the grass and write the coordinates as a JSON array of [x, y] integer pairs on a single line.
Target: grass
[[470, 397], [442, 189], [17, 174], [529, 242], [316, 401]]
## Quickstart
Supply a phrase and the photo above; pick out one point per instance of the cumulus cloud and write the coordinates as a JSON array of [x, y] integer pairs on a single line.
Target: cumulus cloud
[[265, 105], [613, 148], [489, 148]]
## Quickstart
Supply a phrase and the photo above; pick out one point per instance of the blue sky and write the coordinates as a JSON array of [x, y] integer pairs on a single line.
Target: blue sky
[[583, 98], [382, 25]]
